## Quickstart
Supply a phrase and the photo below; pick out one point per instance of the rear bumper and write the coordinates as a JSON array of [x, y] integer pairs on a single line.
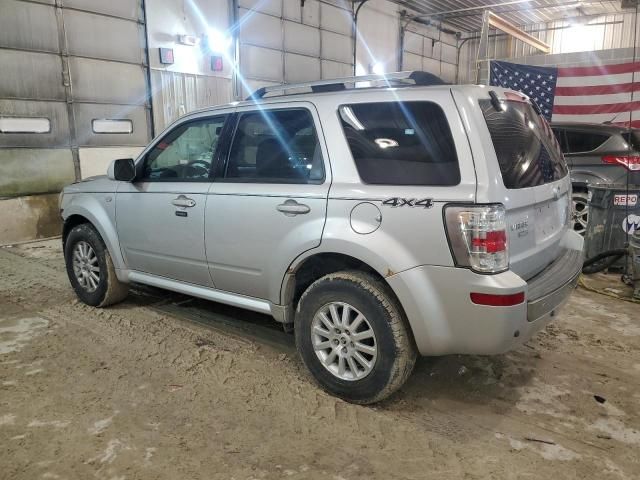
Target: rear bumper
[[550, 288], [445, 321]]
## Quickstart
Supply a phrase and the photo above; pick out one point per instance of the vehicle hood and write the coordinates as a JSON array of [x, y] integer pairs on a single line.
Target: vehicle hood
[[100, 183]]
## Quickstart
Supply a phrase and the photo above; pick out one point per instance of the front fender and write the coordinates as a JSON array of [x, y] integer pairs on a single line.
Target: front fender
[[99, 209]]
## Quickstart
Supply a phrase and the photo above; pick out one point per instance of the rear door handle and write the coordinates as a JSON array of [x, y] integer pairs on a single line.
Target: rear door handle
[[291, 208], [182, 201]]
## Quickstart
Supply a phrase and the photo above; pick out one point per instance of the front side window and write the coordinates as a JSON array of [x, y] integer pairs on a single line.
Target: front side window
[[275, 146], [401, 143], [185, 153]]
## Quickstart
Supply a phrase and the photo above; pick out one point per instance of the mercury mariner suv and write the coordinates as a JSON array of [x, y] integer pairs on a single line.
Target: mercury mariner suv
[[377, 217]]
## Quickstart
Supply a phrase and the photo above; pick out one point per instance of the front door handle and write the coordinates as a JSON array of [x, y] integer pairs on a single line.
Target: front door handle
[[182, 201], [291, 208]]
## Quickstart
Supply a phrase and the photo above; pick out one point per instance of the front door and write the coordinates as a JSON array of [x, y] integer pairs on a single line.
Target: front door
[[268, 204], [160, 216]]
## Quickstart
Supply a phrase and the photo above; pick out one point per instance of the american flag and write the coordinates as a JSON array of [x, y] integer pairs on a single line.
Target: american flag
[[590, 94]]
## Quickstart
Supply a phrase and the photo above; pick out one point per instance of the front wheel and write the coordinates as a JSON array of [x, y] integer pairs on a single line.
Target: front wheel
[[353, 337], [90, 269]]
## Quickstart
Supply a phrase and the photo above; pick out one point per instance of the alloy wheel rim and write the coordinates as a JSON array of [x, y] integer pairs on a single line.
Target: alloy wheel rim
[[85, 266], [580, 213], [344, 341]]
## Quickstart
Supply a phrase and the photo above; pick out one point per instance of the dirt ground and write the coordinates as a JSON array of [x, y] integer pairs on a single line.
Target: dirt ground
[[166, 387]]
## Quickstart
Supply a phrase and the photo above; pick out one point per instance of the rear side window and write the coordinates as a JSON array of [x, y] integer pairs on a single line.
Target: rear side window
[[632, 139], [401, 143], [275, 146], [581, 142], [527, 150]]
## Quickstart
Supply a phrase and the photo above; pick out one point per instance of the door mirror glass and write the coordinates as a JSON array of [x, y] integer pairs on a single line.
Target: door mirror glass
[[123, 169]]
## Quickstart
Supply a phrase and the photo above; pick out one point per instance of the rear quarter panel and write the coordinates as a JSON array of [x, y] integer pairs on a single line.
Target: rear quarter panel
[[406, 236]]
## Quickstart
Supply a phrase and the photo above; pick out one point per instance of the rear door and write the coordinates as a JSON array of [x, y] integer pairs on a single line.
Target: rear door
[[535, 183], [268, 202]]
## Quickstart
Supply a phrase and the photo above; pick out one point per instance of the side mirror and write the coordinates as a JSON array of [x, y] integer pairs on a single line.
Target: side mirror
[[123, 169]]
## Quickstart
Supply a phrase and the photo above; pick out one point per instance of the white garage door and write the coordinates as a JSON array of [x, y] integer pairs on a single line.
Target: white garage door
[[282, 41], [73, 90], [433, 55]]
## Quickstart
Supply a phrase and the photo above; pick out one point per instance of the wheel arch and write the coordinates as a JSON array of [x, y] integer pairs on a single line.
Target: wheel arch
[[308, 268], [98, 218], [581, 179]]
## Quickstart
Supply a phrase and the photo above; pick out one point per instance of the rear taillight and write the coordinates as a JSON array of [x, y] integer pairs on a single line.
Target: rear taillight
[[478, 237], [630, 162]]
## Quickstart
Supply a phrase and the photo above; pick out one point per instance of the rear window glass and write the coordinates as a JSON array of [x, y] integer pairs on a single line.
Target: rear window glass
[[578, 142], [527, 150], [633, 139], [401, 143]]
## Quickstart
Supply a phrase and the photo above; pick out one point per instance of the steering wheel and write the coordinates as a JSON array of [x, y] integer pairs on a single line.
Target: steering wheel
[[199, 168]]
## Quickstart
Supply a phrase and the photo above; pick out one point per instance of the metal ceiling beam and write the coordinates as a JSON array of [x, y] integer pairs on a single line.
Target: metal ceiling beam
[[575, 3], [508, 27], [467, 9], [519, 13]]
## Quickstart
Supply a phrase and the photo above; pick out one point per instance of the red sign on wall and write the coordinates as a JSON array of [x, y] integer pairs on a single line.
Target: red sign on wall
[[216, 63]]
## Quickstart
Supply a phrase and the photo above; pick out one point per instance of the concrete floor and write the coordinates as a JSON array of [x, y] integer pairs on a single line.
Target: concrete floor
[[167, 387]]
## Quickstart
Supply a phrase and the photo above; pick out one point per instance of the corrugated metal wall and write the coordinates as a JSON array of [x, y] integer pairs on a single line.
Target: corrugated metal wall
[[64, 63], [189, 83]]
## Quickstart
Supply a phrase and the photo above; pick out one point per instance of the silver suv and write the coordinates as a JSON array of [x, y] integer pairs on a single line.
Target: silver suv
[[377, 222]]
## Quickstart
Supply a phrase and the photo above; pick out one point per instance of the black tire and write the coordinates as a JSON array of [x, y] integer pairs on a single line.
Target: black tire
[[109, 289], [396, 351]]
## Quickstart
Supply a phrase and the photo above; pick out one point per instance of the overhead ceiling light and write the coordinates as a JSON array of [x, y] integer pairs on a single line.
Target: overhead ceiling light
[[378, 68], [217, 41]]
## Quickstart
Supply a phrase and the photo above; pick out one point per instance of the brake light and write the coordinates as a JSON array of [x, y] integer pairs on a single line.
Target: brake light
[[478, 237], [630, 162]]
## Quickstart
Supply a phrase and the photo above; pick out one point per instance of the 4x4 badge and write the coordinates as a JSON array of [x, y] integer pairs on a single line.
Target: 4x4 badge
[[409, 202]]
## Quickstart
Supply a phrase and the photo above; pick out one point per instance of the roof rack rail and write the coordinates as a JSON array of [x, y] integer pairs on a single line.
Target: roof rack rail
[[337, 84]]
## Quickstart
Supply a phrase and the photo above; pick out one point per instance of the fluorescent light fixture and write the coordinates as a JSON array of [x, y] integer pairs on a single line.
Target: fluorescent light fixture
[[217, 41], [24, 125]]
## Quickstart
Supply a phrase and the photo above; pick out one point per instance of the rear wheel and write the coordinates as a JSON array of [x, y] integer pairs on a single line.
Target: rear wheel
[[90, 269], [353, 338], [580, 212]]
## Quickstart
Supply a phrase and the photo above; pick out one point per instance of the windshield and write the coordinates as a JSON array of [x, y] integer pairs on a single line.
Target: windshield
[[527, 150]]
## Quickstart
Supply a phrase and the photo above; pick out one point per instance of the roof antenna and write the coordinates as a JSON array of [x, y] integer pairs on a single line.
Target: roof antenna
[[609, 122]]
